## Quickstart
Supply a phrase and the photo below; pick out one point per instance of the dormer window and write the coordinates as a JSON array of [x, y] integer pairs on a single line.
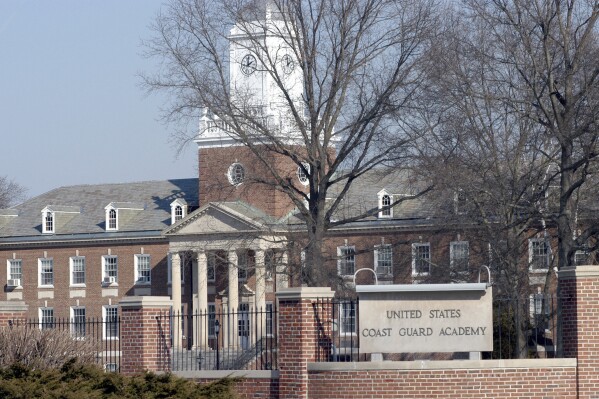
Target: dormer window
[[48, 222], [178, 213], [385, 201], [178, 210], [111, 219]]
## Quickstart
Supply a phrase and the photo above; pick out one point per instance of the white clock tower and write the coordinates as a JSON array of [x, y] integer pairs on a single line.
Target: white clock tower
[[264, 73]]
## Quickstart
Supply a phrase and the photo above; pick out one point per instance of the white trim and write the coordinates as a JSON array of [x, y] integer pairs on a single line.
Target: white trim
[[136, 269], [110, 209], [104, 272], [39, 273], [344, 257], [342, 317], [415, 245], [178, 203], [303, 178], [376, 260], [452, 254], [74, 331], [9, 275], [71, 275], [45, 214], [531, 254], [387, 213], [41, 316], [105, 324]]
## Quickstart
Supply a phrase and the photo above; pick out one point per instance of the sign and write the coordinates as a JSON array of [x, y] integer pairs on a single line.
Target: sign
[[425, 318]]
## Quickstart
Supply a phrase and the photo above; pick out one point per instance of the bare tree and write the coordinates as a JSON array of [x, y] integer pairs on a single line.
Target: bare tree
[[10, 192], [344, 76]]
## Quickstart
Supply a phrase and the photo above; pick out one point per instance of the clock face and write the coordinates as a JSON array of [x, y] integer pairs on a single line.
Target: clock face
[[248, 64], [287, 64]]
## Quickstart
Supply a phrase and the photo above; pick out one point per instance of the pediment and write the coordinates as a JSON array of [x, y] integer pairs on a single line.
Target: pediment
[[212, 220]]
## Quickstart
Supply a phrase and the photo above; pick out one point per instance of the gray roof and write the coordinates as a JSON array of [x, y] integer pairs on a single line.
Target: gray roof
[[90, 201]]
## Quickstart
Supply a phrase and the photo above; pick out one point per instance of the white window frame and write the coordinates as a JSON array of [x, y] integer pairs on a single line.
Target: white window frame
[[302, 176], [532, 242], [536, 302], [109, 219], [346, 254], [269, 319], [105, 271], [211, 319], [584, 254], [105, 315], [347, 309], [385, 213], [139, 279], [379, 250], [453, 252], [48, 220], [415, 258], [76, 324], [44, 323], [40, 265], [177, 205], [72, 261], [9, 272]]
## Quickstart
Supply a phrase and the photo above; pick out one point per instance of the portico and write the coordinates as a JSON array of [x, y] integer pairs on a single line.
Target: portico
[[235, 260]]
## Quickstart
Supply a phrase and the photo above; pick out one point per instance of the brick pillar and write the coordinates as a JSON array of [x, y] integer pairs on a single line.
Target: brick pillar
[[12, 311], [145, 334], [579, 290], [298, 338]]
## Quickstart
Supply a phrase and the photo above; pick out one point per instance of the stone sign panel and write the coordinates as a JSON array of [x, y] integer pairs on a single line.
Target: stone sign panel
[[425, 318]]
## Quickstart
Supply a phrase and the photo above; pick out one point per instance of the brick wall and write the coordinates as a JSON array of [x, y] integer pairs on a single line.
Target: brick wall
[[145, 334], [549, 379]]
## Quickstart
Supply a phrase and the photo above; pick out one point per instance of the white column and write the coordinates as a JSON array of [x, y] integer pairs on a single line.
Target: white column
[[233, 298], [260, 296], [281, 273], [201, 323], [176, 297]]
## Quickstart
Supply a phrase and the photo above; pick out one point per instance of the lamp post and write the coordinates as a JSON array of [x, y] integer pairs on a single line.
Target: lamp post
[[216, 331]]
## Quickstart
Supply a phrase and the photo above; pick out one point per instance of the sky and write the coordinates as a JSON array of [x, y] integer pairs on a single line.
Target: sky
[[72, 109]]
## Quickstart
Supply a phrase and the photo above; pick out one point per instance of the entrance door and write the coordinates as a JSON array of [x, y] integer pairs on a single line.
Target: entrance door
[[243, 323]]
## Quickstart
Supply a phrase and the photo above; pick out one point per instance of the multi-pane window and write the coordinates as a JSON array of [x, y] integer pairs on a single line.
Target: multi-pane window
[[242, 266], [112, 219], [46, 271], [178, 213], [49, 222], [77, 270], [15, 269], [385, 205], [581, 258], [46, 318], [111, 322], [269, 318], [142, 269], [78, 322], [421, 259], [539, 254], [347, 317], [458, 255], [110, 268], [383, 260], [346, 262], [211, 319]]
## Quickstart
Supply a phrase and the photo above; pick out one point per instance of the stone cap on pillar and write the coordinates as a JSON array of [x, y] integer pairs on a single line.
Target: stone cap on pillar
[[146, 302], [580, 271], [304, 293]]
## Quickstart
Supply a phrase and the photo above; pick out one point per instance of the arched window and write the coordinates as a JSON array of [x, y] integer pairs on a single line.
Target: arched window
[[49, 222], [178, 213], [112, 219], [385, 206]]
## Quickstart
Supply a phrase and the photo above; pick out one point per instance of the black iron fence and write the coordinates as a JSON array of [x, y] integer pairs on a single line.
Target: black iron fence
[[522, 328], [223, 339], [96, 338]]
